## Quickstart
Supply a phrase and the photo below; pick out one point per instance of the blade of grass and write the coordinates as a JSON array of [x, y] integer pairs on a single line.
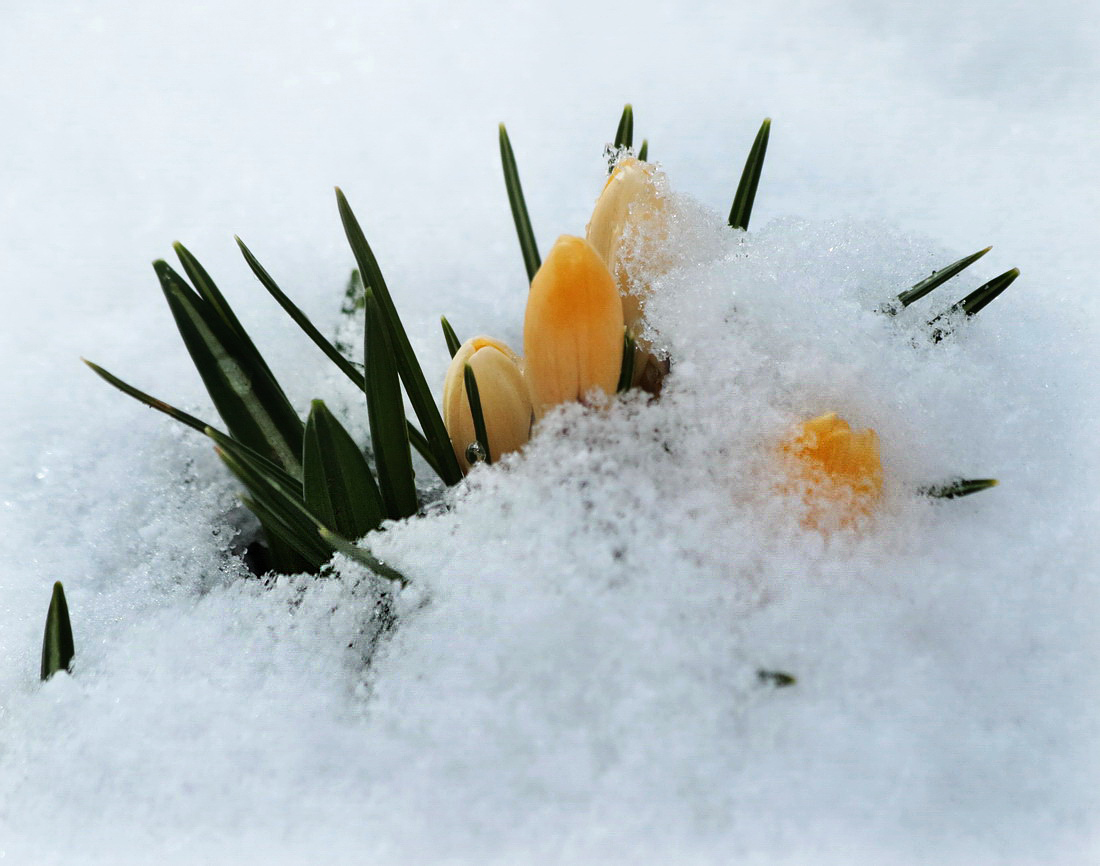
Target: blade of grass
[[250, 402], [958, 487], [624, 135], [431, 422], [337, 482], [938, 278], [643, 151], [524, 232], [386, 411], [57, 641], [481, 435], [750, 179], [453, 343]]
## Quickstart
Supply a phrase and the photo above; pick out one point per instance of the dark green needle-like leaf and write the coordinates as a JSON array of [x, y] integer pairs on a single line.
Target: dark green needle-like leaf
[[750, 179], [453, 343], [976, 301], [938, 278], [524, 232], [957, 487], [57, 642], [474, 397], [624, 135], [431, 422], [626, 372]]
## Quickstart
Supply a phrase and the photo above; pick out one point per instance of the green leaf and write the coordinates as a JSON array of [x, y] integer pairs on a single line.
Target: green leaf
[[403, 356], [285, 558], [336, 479], [453, 343], [624, 135], [386, 410], [973, 303], [249, 400], [626, 372], [300, 318], [938, 278], [524, 232], [750, 178], [473, 395], [279, 507], [57, 642], [643, 151], [957, 487], [150, 401], [363, 557]]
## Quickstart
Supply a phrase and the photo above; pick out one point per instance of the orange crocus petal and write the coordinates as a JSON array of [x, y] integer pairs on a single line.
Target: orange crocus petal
[[837, 468], [505, 404], [573, 330]]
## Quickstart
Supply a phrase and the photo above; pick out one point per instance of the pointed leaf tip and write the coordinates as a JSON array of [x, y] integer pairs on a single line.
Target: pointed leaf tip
[[57, 640]]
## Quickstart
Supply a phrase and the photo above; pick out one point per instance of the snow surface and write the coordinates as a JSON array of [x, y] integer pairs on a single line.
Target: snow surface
[[573, 675]]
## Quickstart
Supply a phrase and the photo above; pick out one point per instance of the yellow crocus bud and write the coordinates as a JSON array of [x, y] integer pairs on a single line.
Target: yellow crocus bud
[[573, 330], [839, 469], [629, 200], [505, 404]]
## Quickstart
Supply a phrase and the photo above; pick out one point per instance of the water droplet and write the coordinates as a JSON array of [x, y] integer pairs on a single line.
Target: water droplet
[[475, 453]]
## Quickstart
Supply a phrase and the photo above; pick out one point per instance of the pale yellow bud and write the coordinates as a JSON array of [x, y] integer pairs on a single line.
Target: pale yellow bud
[[629, 203], [839, 469], [573, 330], [505, 404]]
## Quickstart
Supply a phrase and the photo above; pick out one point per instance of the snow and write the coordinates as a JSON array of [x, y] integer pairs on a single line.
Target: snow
[[573, 676]]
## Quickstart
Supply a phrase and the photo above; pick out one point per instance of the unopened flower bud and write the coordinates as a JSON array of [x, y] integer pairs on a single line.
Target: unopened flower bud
[[629, 204], [573, 330], [505, 404]]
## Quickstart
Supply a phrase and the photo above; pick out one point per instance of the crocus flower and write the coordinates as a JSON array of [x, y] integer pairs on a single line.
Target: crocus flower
[[629, 203], [505, 404], [573, 330], [838, 469]]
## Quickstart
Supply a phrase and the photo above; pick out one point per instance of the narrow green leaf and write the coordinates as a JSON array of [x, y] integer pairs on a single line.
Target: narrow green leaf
[[938, 278], [57, 642], [354, 292], [473, 395], [271, 470], [957, 487], [362, 556], [386, 410], [300, 318], [290, 553], [750, 178], [626, 372], [453, 343], [643, 151], [336, 479], [251, 403], [279, 507], [152, 402], [285, 557], [524, 232], [976, 301], [624, 135], [431, 422]]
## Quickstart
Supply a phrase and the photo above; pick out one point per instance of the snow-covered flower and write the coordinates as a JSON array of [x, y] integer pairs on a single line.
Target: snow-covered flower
[[838, 469], [573, 329], [629, 213], [505, 404]]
